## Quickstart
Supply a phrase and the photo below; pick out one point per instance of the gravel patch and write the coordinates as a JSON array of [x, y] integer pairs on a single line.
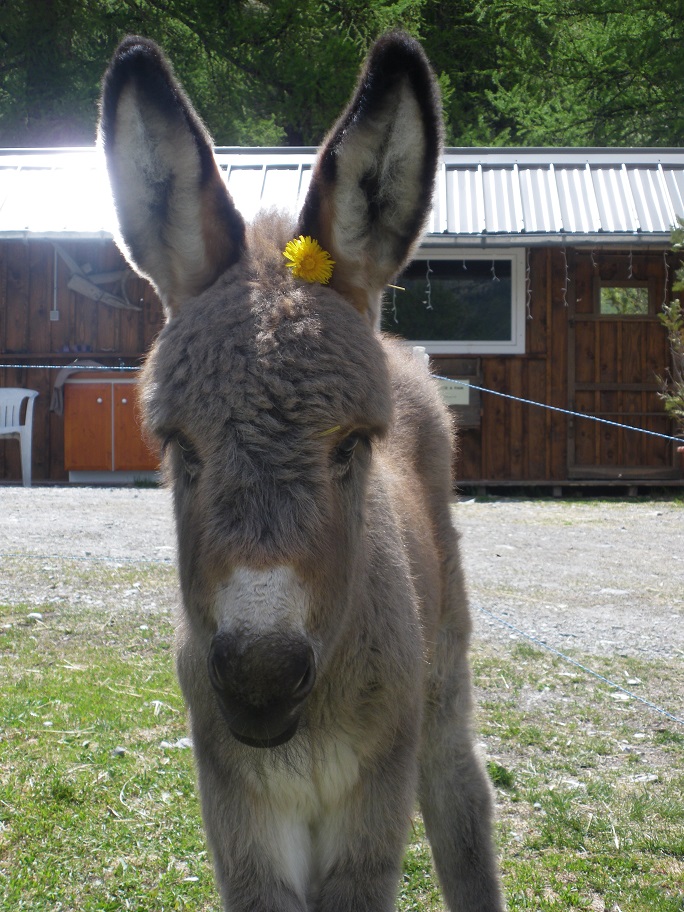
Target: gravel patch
[[596, 577]]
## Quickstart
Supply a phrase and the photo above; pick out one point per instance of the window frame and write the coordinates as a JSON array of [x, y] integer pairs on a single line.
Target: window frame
[[513, 346]]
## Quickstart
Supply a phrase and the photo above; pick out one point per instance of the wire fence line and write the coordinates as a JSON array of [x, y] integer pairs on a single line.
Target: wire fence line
[[566, 658], [170, 563], [462, 383], [555, 408]]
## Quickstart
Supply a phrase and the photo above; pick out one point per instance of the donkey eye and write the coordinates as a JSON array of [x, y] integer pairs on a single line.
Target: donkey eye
[[344, 451]]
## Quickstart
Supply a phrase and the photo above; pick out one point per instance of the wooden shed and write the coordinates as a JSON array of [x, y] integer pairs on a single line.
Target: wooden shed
[[540, 277]]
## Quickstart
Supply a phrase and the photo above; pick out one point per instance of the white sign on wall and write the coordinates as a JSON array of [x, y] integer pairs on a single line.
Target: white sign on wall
[[455, 393]]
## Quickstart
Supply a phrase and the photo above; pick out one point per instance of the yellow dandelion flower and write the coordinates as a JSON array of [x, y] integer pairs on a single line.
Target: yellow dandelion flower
[[308, 260]]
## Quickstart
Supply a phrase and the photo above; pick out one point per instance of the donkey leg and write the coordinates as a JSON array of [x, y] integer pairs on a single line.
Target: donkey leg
[[456, 801], [361, 846], [261, 855], [266, 874]]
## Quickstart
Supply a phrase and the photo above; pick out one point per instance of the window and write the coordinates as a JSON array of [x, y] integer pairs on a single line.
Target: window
[[624, 300], [473, 303]]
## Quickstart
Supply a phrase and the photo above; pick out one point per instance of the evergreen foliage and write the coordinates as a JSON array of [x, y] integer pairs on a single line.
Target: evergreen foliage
[[272, 72], [672, 318]]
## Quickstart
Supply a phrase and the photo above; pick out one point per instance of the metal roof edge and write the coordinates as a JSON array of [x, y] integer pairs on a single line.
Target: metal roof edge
[[576, 152], [541, 155], [27, 235], [265, 150], [21, 152], [562, 239], [46, 150], [445, 240]]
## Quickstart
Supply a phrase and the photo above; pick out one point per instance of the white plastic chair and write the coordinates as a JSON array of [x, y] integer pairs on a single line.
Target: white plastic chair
[[11, 401]]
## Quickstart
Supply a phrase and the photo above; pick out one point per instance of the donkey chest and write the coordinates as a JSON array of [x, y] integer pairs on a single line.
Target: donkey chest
[[318, 780]]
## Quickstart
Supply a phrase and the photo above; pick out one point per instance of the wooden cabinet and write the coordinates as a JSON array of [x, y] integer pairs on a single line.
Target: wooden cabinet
[[131, 448], [88, 426], [102, 427]]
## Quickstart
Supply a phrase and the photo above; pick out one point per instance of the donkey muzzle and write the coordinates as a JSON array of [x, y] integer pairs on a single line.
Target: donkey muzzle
[[261, 683]]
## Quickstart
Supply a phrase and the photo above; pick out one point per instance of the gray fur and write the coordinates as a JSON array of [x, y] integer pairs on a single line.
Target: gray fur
[[324, 609]]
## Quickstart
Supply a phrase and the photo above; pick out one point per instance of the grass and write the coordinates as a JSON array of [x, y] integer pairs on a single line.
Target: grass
[[96, 813], [591, 815], [98, 806]]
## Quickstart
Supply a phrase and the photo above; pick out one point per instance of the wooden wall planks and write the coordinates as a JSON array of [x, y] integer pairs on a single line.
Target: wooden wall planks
[[33, 283], [577, 361], [572, 359]]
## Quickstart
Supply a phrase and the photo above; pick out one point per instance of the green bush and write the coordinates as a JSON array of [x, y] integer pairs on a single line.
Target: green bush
[[672, 318]]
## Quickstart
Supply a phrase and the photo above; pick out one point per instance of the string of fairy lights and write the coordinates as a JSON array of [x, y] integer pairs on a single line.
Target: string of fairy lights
[[427, 296], [431, 299], [428, 287]]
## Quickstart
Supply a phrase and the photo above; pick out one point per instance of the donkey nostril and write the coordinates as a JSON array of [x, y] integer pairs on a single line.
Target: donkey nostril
[[215, 674], [303, 687], [218, 660]]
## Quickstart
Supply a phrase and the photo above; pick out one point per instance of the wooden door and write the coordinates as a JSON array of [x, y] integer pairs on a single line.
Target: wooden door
[[88, 427], [617, 349], [131, 450]]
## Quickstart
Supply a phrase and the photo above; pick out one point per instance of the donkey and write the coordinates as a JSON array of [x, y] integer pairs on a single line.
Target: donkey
[[322, 644]]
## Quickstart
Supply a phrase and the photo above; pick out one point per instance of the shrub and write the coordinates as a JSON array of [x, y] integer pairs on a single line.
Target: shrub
[[672, 318]]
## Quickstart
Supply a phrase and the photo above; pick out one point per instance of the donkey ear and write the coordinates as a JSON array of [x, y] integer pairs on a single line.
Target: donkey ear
[[177, 222], [371, 189]]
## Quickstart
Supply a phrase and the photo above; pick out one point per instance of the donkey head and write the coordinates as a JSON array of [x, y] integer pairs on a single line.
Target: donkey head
[[269, 392]]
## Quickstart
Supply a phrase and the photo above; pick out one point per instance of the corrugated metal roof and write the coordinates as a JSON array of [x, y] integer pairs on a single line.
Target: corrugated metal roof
[[262, 178], [559, 195], [484, 196]]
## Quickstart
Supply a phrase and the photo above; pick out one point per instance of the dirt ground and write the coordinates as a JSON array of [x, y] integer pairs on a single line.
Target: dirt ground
[[602, 577]]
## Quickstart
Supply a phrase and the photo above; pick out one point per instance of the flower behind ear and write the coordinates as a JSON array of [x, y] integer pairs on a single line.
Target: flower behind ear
[[308, 260]]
